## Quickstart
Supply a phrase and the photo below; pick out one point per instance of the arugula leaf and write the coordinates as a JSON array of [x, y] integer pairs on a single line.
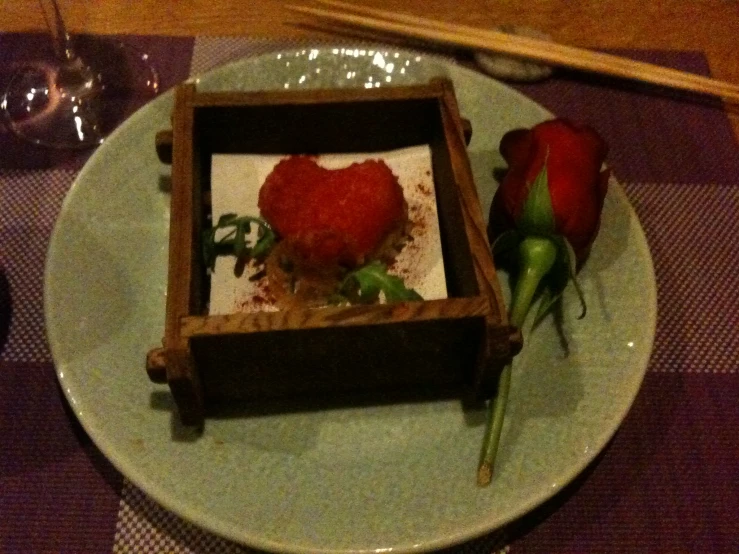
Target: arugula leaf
[[235, 242], [240, 240], [225, 219], [264, 244], [368, 281], [363, 284]]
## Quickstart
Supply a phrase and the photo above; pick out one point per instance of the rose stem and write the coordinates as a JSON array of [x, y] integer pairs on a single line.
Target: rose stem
[[536, 257]]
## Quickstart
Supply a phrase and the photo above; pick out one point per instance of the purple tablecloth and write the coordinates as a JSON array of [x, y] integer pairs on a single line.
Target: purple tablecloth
[[666, 483]]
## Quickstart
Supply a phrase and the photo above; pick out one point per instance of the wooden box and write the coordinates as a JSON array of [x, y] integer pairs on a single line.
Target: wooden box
[[454, 346]]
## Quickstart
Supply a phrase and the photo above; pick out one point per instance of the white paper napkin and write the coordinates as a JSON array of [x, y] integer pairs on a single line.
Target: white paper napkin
[[235, 183]]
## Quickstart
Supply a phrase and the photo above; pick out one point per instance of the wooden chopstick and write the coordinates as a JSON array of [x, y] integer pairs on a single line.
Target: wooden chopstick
[[526, 47]]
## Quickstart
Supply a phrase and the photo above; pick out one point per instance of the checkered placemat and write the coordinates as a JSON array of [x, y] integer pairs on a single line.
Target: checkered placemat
[[30, 203], [696, 272]]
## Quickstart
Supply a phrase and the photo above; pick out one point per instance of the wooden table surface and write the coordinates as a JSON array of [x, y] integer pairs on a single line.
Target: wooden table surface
[[710, 26]]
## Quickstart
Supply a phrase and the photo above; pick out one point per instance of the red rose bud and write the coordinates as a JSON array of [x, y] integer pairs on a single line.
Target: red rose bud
[[548, 205], [553, 191], [574, 156]]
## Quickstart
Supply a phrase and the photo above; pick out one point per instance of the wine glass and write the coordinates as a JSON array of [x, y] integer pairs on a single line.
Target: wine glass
[[76, 99]]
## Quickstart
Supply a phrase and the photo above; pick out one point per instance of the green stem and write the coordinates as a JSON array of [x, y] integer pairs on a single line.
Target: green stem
[[496, 415], [536, 257]]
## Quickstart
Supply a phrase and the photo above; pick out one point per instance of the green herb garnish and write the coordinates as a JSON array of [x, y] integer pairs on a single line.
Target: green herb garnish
[[367, 282], [236, 242], [361, 285]]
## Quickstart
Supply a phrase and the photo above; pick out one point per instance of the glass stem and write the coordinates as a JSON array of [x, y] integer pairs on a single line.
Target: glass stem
[[59, 35]]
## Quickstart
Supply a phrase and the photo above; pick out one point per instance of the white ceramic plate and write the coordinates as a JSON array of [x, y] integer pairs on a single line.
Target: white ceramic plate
[[394, 478]]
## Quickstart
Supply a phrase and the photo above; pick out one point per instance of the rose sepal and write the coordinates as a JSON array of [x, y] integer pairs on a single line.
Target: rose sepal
[[562, 273], [537, 215]]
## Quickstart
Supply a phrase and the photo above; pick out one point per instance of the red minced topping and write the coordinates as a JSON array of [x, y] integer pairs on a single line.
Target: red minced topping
[[329, 217]]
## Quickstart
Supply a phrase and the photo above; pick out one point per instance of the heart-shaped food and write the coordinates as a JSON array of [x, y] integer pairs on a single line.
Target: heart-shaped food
[[327, 217]]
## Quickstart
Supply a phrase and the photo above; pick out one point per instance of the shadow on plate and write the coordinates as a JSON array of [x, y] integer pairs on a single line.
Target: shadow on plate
[[99, 315], [633, 455], [162, 400]]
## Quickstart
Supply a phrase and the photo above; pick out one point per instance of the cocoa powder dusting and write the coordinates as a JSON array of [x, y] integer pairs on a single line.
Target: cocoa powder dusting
[[424, 189], [262, 298]]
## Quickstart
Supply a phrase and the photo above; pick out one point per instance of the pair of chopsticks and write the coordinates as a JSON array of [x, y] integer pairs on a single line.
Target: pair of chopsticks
[[523, 47]]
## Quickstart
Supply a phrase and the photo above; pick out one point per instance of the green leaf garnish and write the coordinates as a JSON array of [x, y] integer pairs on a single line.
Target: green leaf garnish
[[240, 239], [367, 282], [225, 219], [235, 242], [263, 246]]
